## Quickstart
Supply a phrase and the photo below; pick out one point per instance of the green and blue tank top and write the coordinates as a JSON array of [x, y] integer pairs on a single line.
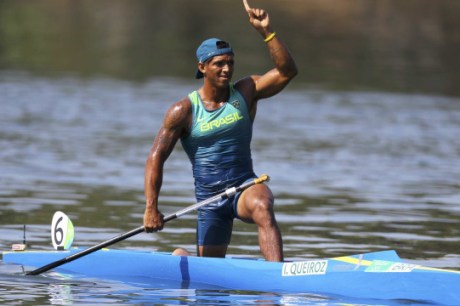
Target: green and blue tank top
[[218, 144]]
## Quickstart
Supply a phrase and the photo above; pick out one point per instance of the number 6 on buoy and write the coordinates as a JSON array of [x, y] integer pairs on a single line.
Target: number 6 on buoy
[[62, 231]]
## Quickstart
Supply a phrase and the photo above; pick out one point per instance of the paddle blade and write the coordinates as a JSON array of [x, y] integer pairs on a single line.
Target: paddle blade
[[62, 231]]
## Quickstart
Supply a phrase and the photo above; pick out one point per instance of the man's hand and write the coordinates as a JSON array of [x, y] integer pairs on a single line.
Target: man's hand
[[153, 220], [258, 18]]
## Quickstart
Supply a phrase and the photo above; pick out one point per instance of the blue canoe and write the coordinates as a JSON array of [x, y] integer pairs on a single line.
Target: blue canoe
[[378, 275]]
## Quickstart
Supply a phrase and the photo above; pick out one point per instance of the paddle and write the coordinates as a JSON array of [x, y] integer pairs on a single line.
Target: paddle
[[226, 194]]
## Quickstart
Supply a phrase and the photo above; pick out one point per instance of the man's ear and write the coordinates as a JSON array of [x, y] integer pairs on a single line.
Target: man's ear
[[201, 67]]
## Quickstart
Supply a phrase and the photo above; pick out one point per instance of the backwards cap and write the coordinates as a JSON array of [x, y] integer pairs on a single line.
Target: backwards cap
[[210, 48]]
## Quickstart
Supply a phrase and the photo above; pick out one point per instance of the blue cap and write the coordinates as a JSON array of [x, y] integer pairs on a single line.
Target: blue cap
[[210, 48]]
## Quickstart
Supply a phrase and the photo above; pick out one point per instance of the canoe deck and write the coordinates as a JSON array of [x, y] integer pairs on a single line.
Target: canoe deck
[[377, 275]]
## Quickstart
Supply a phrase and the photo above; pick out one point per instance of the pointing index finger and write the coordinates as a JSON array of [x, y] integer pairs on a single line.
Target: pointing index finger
[[246, 5]]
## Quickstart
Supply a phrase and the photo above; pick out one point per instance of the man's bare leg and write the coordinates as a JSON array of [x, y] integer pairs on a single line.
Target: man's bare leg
[[212, 250], [256, 206]]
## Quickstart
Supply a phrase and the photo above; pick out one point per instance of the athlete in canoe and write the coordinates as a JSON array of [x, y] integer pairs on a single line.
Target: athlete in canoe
[[214, 125]]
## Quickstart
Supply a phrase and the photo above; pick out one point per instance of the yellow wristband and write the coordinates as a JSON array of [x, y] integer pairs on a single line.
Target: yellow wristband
[[270, 37]]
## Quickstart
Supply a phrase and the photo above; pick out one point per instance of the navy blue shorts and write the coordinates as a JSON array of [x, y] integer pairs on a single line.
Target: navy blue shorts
[[215, 224]]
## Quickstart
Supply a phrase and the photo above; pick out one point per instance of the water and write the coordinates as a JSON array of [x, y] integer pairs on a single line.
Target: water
[[351, 171]]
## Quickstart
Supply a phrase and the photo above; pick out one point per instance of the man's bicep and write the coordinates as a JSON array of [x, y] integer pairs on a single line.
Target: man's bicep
[[269, 84]]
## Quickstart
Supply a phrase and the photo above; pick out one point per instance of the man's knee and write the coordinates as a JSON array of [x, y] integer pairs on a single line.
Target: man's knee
[[262, 204], [258, 200], [262, 213]]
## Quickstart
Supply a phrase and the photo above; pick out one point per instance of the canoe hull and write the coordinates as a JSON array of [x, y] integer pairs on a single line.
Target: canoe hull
[[379, 275]]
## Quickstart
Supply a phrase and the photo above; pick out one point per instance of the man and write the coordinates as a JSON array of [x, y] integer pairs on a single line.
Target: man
[[214, 125]]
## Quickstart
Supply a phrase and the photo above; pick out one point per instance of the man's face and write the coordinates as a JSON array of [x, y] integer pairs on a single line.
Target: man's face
[[219, 69]]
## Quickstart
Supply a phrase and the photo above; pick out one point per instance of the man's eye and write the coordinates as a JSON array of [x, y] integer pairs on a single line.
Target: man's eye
[[222, 64]]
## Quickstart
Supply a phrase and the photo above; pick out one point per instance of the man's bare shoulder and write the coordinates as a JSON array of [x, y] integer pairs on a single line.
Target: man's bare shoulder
[[247, 86], [178, 114], [181, 107]]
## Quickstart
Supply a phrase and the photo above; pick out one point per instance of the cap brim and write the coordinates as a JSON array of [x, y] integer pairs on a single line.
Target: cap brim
[[198, 74]]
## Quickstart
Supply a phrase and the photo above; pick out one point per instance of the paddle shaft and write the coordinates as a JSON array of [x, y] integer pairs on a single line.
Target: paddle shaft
[[226, 194]]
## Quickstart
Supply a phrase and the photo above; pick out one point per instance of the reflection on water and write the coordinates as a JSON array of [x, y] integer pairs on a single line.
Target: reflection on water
[[352, 172]]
